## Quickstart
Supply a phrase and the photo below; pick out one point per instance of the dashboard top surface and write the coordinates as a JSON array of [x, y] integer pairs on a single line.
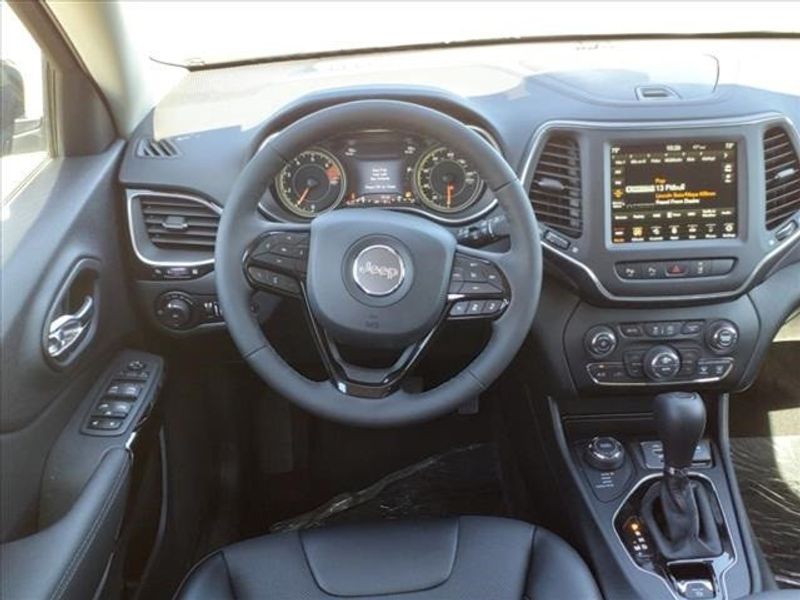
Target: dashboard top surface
[[515, 95]]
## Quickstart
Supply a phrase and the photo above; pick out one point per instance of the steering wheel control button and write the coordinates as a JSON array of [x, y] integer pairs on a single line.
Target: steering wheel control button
[[601, 341], [722, 337], [459, 309], [605, 453], [273, 281]]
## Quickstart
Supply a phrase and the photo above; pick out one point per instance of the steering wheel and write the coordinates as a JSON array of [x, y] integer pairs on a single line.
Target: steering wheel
[[376, 278]]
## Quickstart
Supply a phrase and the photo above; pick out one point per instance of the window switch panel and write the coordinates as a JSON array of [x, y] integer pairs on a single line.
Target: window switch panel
[[118, 409]]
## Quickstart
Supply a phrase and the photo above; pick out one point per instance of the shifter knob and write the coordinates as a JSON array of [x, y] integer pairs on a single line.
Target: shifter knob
[[680, 419]]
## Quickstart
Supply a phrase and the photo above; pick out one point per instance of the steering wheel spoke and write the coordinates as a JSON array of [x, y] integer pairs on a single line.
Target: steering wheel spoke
[[367, 382], [277, 261], [479, 287]]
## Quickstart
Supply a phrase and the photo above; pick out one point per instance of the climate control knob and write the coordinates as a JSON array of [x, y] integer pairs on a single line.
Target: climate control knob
[[601, 341], [661, 363], [722, 336]]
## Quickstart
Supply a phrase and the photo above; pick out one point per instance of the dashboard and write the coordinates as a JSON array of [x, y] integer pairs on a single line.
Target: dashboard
[[385, 169], [663, 216]]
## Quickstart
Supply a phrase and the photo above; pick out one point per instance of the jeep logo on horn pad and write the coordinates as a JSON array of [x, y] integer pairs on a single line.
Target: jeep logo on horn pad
[[378, 270]]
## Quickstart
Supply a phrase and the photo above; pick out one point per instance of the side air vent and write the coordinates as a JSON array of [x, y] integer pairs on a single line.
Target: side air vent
[[782, 175], [555, 190], [153, 148], [179, 223]]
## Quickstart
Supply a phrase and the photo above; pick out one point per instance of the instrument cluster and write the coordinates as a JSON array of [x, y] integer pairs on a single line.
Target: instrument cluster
[[386, 169]]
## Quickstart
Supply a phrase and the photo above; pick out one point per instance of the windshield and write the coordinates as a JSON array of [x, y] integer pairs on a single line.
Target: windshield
[[203, 33]]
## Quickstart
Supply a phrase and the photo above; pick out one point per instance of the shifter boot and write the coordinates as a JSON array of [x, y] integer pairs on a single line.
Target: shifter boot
[[679, 516]]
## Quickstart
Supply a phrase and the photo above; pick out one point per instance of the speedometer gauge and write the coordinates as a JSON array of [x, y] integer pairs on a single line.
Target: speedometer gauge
[[311, 183], [445, 181]]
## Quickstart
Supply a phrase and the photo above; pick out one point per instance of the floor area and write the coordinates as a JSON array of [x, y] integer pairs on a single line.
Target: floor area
[[765, 430], [460, 481]]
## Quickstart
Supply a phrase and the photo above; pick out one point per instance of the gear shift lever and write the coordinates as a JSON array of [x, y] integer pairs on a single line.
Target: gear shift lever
[[680, 420], [686, 528]]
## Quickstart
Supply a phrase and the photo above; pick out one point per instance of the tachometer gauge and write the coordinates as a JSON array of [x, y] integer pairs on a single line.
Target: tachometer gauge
[[311, 183], [445, 181]]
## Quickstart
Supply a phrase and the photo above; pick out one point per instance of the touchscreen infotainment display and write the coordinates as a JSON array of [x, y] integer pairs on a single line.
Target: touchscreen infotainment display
[[671, 191]]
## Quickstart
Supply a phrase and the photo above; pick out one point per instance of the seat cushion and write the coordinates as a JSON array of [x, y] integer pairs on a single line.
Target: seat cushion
[[465, 558]]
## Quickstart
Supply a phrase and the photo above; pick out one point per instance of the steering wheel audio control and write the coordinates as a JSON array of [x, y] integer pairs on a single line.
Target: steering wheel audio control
[[478, 289], [662, 363], [277, 261], [601, 341]]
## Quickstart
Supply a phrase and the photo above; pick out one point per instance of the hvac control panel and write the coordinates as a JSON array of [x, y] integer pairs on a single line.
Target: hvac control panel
[[610, 348]]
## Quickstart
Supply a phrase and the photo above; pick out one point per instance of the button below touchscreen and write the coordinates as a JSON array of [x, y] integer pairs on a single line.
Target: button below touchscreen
[[673, 191]]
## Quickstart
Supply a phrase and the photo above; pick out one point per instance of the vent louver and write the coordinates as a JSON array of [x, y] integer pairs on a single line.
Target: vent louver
[[555, 190], [152, 148], [179, 223], [782, 175]]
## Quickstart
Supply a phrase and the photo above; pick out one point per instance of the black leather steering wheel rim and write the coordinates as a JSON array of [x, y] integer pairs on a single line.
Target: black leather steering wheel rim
[[240, 225]]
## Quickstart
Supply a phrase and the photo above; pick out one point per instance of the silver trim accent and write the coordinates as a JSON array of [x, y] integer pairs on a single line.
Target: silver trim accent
[[723, 586], [714, 379], [540, 134], [135, 193], [400, 278], [427, 213]]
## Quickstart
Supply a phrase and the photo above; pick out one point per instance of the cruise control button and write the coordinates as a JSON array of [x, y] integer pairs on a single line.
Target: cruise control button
[[279, 282], [455, 287], [275, 260], [477, 275], [480, 288]]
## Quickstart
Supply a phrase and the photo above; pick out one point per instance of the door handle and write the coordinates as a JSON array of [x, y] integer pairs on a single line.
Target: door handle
[[67, 330]]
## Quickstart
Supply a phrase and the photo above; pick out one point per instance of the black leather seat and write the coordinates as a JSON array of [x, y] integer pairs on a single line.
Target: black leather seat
[[466, 558]]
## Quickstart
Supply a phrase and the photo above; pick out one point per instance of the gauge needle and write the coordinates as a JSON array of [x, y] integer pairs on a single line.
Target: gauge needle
[[449, 194], [303, 195]]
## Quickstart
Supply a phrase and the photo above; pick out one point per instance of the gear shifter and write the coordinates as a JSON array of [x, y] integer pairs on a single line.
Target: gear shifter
[[677, 510], [680, 420]]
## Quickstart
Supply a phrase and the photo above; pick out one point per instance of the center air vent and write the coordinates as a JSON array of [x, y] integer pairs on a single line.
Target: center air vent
[[179, 222], [555, 190], [782, 175]]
